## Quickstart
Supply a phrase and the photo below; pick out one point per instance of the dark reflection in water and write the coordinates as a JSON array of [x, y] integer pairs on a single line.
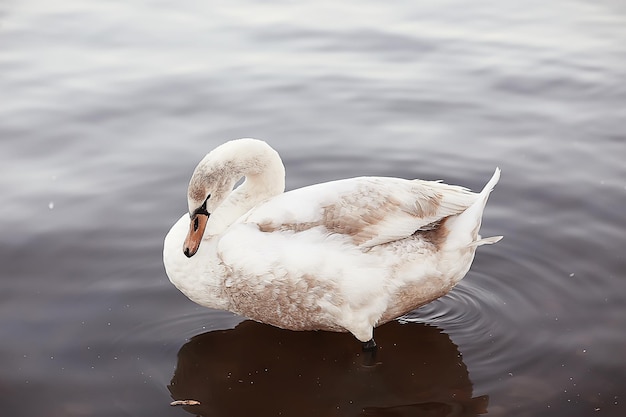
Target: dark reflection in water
[[261, 370]]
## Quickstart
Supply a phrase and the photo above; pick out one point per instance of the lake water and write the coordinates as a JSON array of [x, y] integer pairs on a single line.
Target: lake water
[[107, 106]]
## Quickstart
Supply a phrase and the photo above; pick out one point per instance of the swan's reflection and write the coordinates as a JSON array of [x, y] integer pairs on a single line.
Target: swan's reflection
[[260, 370]]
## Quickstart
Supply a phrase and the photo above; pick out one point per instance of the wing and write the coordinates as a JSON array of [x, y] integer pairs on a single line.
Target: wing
[[370, 210]]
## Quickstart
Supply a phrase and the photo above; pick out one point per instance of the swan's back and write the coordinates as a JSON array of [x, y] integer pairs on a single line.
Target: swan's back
[[371, 210]]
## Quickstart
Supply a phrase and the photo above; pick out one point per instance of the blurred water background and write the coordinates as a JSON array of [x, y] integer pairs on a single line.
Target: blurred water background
[[107, 106]]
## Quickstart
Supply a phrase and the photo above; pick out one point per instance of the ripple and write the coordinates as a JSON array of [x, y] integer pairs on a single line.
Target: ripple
[[145, 348], [173, 330], [481, 315]]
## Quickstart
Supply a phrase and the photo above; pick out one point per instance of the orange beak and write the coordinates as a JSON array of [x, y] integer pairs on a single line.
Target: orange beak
[[196, 231]]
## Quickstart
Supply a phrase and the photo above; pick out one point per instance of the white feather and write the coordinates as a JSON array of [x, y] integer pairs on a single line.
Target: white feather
[[346, 255]]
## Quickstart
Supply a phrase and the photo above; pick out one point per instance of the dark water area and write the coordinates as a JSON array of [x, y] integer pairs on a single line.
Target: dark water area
[[106, 108], [419, 372]]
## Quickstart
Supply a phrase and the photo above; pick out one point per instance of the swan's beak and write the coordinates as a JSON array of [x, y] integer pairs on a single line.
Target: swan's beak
[[196, 231]]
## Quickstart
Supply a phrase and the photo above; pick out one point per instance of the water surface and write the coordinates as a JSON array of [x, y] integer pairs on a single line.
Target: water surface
[[107, 107]]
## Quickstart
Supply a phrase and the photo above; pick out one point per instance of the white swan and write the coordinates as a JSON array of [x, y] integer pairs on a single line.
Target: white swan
[[345, 255]]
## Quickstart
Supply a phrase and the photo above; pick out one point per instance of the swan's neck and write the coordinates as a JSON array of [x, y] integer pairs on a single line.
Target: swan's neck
[[264, 175]]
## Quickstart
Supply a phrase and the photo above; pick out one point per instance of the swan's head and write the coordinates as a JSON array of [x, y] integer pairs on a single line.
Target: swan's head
[[215, 177], [208, 188]]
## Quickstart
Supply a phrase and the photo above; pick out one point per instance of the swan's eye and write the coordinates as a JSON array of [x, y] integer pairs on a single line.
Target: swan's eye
[[195, 224]]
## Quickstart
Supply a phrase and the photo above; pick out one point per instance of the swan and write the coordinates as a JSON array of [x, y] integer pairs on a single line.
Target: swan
[[345, 255]]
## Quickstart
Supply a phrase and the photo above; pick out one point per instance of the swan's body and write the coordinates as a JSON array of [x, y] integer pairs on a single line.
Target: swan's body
[[345, 255]]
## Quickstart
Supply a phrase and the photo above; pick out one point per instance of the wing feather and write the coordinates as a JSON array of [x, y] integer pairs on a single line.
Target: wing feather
[[370, 210]]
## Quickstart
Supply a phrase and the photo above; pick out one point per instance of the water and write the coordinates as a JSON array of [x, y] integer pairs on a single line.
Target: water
[[107, 107]]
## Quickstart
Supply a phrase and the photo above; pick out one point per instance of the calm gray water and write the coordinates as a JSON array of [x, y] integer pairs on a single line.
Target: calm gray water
[[107, 106]]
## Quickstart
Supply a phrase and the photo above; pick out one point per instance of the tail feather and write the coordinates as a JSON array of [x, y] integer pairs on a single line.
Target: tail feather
[[492, 182], [486, 241], [476, 209], [463, 229]]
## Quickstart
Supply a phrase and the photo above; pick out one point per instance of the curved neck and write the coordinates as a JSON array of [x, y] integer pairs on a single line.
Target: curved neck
[[264, 175]]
